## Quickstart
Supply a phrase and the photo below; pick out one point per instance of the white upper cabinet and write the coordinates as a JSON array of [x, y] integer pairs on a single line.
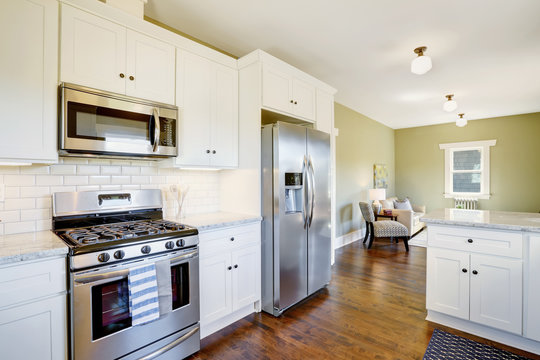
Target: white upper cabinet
[[93, 51], [150, 68], [207, 94], [285, 93], [28, 69], [101, 54]]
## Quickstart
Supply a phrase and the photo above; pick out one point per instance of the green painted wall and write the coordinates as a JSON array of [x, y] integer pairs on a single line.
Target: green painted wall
[[361, 143], [515, 162]]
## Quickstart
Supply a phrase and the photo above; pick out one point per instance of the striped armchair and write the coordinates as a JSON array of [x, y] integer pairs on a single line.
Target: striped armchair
[[392, 229]]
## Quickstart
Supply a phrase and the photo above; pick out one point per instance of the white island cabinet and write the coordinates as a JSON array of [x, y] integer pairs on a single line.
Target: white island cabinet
[[483, 274], [33, 310]]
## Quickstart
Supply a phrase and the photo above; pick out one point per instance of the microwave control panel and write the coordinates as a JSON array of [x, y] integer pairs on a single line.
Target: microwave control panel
[[167, 136]]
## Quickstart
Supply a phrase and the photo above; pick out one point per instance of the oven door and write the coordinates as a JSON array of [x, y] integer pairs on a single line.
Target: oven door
[[100, 321], [109, 124]]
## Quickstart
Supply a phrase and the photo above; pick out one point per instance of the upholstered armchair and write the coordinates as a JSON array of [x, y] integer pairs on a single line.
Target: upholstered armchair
[[409, 218]]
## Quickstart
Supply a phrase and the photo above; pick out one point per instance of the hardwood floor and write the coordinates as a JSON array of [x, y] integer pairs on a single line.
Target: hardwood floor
[[374, 308]]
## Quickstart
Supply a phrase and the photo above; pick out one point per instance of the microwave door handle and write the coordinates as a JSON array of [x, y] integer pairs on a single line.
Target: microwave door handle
[[155, 116]]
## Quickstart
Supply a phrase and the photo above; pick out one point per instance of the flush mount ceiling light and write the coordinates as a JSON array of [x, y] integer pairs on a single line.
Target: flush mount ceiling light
[[422, 63], [461, 122], [451, 104]]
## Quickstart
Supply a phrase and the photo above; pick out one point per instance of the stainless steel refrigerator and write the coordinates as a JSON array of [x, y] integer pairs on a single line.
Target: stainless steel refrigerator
[[296, 243]]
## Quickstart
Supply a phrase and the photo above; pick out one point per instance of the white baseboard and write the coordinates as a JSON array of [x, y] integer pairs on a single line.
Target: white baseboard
[[209, 329], [348, 238], [486, 332]]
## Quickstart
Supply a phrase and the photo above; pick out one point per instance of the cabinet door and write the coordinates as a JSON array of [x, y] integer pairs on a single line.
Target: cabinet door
[[304, 99], [447, 287], [194, 90], [150, 68], [93, 51], [36, 330], [215, 287], [246, 276], [28, 69], [496, 292], [532, 290], [276, 90], [224, 139]]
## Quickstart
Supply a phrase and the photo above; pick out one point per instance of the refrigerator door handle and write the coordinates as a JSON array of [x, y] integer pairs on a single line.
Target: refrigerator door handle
[[312, 188], [304, 203]]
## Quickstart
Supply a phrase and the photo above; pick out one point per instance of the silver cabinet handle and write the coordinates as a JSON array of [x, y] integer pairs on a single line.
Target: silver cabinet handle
[[171, 345], [155, 114], [312, 186]]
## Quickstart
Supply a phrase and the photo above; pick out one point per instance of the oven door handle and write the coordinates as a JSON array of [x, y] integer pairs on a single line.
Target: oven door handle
[[171, 345], [90, 278]]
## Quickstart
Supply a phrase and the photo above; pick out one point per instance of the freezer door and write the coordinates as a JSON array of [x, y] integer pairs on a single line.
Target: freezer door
[[290, 236], [319, 238]]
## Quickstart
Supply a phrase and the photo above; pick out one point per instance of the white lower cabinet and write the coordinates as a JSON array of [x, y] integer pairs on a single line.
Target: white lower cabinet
[[230, 275], [483, 288], [532, 289], [33, 327]]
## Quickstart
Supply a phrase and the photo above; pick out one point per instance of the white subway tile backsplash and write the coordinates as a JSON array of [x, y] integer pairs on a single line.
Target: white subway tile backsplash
[[36, 214], [63, 169], [19, 227], [12, 192], [28, 203], [19, 180], [49, 180], [120, 180], [10, 216], [140, 180], [65, 188], [99, 180], [88, 169], [17, 204], [35, 191], [111, 170], [75, 180], [131, 170]]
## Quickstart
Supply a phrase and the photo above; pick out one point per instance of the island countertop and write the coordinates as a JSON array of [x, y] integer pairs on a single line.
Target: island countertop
[[504, 220]]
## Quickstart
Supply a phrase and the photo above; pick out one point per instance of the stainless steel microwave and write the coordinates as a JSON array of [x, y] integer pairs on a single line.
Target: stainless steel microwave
[[99, 123]]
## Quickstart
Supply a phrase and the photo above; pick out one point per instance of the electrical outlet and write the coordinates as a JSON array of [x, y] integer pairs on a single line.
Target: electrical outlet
[[2, 192]]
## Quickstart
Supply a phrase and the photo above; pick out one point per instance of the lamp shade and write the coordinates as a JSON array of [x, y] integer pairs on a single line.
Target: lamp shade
[[461, 122], [377, 194], [421, 65]]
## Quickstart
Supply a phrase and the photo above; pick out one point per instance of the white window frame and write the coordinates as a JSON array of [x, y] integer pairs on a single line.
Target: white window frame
[[449, 150]]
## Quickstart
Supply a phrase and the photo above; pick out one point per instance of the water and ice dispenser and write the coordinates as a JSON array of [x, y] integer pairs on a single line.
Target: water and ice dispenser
[[294, 195]]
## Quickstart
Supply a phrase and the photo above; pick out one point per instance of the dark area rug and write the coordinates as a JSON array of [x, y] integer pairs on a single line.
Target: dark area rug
[[448, 346]]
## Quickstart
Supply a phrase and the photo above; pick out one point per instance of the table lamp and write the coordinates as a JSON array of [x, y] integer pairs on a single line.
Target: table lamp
[[376, 195]]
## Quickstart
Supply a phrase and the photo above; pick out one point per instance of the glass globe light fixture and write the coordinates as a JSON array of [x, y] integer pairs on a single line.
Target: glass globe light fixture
[[422, 63], [450, 105], [461, 122]]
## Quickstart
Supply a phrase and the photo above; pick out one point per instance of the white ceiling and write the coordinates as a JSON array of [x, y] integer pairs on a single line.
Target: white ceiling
[[486, 52]]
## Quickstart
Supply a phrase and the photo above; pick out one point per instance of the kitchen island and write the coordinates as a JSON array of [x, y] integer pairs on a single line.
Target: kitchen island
[[483, 274]]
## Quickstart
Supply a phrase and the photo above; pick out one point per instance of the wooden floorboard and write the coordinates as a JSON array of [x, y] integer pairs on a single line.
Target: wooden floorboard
[[374, 308]]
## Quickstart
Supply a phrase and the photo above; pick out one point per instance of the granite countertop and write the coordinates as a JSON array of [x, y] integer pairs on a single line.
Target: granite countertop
[[30, 246], [211, 221], [504, 220]]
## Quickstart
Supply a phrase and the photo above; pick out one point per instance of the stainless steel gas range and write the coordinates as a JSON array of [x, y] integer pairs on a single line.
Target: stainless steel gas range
[[110, 234]]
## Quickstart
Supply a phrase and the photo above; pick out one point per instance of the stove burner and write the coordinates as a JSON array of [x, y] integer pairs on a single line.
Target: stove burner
[[119, 231]]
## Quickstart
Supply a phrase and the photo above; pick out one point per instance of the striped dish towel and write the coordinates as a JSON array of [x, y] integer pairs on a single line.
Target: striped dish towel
[[143, 294]]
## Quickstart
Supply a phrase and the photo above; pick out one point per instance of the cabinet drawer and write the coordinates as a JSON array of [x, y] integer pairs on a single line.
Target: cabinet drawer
[[229, 239], [490, 242], [23, 282]]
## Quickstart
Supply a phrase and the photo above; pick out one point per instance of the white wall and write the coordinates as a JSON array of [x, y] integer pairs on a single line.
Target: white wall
[[28, 205]]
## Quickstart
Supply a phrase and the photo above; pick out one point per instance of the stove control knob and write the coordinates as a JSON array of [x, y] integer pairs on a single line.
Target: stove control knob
[[180, 243], [169, 245], [119, 254], [103, 257], [146, 249]]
